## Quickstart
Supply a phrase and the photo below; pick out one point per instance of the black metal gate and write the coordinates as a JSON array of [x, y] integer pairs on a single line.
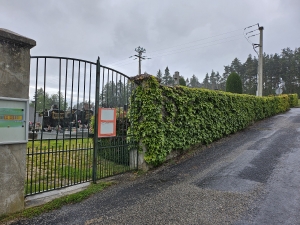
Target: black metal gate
[[63, 148]]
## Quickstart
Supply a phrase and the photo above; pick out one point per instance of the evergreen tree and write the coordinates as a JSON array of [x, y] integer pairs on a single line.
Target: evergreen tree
[[288, 71], [59, 100], [227, 71], [187, 82], [85, 105], [182, 81], [234, 84], [296, 63], [115, 95], [271, 74], [206, 83], [237, 66], [159, 74], [213, 80], [167, 78], [194, 82], [218, 80], [277, 69], [250, 76], [43, 100]]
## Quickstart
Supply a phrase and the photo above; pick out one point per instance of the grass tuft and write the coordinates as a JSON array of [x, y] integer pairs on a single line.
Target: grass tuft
[[56, 203]]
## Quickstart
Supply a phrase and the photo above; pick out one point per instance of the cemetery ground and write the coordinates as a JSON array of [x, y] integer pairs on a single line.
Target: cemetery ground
[[60, 162], [251, 177]]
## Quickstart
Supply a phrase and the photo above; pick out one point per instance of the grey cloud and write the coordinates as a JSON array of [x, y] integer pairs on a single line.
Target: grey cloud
[[112, 29]]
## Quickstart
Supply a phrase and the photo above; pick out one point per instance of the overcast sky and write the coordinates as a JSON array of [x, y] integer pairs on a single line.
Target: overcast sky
[[189, 36]]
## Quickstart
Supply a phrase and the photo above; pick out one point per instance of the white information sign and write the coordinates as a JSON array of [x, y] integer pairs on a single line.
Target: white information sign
[[107, 114], [107, 122], [13, 120], [107, 128]]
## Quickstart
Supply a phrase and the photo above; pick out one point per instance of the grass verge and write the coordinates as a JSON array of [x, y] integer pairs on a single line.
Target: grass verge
[[56, 203]]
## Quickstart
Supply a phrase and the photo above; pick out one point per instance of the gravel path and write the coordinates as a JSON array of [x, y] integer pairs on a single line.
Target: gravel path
[[251, 177]]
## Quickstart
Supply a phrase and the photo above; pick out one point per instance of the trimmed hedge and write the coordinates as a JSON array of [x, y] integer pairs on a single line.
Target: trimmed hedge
[[234, 83], [293, 100], [175, 118]]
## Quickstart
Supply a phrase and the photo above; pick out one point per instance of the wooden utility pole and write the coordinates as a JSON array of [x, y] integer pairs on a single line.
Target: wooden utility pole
[[140, 52]]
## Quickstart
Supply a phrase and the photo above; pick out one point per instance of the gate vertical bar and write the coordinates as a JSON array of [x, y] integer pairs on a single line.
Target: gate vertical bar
[[95, 153]]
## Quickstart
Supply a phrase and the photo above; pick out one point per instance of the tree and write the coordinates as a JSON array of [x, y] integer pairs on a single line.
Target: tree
[[194, 82], [218, 80], [206, 83], [182, 82], [59, 100], [187, 82], [115, 95], [234, 84], [159, 74], [227, 71], [85, 105], [277, 68], [42, 100], [167, 78], [213, 80], [250, 76], [271, 74], [289, 71], [237, 66]]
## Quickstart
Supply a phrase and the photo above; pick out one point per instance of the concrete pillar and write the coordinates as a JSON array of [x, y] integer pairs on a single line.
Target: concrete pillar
[[14, 83], [136, 160]]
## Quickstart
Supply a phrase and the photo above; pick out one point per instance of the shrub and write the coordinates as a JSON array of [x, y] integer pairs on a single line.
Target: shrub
[[293, 100], [234, 84]]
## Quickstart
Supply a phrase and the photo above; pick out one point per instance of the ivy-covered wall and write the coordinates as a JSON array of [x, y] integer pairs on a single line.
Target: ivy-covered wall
[[174, 118]]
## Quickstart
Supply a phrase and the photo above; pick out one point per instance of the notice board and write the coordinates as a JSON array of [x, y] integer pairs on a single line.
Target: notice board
[[107, 122], [13, 120]]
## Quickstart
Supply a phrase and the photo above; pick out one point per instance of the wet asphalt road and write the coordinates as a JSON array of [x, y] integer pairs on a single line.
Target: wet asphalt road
[[252, 177]]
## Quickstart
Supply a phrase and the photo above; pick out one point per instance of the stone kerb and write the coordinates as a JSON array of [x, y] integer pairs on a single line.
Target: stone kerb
[[14, 77]]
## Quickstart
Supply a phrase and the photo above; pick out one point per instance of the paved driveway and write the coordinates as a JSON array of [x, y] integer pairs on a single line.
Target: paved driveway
[[252, 177]]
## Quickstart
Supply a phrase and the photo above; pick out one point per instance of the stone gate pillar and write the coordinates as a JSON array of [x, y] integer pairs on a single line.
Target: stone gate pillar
[[14, 83]]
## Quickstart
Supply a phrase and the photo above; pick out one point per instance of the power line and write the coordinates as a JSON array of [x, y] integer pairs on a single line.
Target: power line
[[198, 40], [187, 48], [247, 37], [165, 54], [120, 61], [198, 47], [127, 63], [191, 46], [252, 35]]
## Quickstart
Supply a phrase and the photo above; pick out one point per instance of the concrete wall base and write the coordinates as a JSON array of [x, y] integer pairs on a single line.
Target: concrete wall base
[[12, 177]]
